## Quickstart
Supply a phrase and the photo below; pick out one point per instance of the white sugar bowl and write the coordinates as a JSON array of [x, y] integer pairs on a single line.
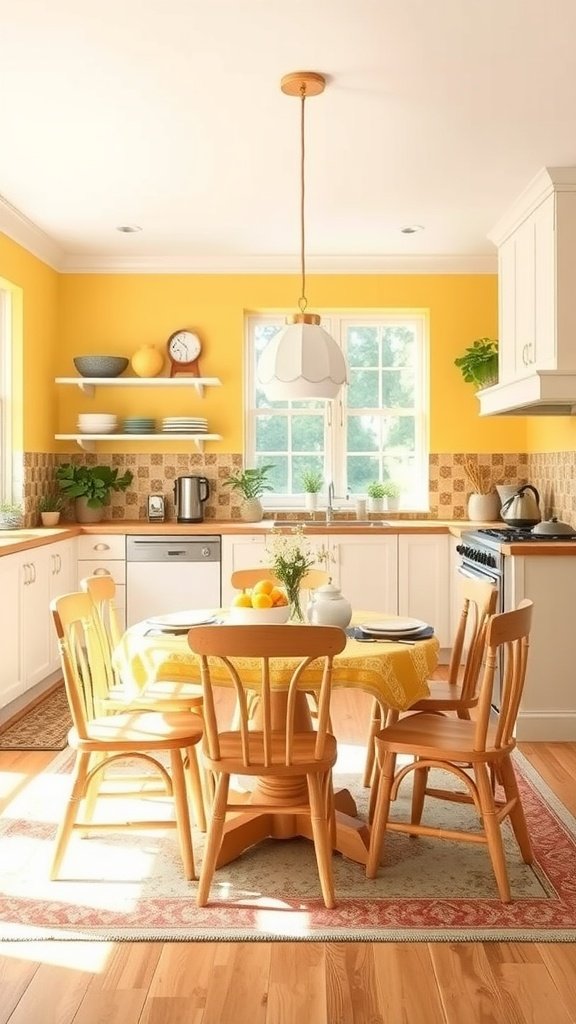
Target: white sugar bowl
[[327, 607]]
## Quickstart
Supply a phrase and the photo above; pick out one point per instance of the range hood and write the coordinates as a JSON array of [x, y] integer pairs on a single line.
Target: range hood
[[543, 393]]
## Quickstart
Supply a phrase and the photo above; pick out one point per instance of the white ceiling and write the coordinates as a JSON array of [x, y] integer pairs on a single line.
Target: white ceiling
[[168, 114]]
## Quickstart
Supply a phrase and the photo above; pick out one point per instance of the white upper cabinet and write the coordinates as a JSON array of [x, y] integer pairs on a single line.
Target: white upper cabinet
[[536, 242]]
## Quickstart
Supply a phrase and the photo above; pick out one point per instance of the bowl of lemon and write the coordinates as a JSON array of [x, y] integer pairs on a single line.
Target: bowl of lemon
[[264, 604]]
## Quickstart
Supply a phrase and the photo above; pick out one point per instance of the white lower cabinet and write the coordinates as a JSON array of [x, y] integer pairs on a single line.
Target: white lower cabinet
[[366, 570], [11, 682], [424, 581], [104, 554], [36, 629], [62, 568], [246, 552]]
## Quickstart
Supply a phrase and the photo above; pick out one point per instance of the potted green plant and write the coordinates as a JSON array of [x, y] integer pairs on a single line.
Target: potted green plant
[[312, 481], [50, 506], [376, 494], [90, 487], [251, 483], [479, 364], [392, 495], [11, 515]]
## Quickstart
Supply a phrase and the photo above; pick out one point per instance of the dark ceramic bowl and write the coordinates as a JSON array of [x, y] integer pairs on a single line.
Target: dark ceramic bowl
[[100, 366]]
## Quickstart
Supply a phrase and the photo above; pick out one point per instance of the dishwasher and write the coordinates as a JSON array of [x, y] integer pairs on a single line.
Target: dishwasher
[[171, 574]]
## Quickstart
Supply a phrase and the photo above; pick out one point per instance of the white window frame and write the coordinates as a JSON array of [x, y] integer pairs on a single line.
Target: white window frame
[[6, 321], [336, 323]]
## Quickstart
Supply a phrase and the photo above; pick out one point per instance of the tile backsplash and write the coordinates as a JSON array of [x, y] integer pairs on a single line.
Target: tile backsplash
[[554, 474]]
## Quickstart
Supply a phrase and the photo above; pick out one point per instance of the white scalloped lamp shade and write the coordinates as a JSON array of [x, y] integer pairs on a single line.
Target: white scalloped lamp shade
[[302, 361]]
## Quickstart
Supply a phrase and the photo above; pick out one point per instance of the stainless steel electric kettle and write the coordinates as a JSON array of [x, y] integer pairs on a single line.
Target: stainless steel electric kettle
[[522, 509], [190, 493]]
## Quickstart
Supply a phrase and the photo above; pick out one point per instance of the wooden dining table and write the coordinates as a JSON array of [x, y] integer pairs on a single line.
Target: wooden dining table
[[393, 672]]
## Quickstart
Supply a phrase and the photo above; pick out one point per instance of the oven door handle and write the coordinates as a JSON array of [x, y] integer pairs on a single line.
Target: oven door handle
[[476, 574]]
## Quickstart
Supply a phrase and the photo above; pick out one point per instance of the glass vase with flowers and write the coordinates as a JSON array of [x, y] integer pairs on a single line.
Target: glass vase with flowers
[[290, 557]]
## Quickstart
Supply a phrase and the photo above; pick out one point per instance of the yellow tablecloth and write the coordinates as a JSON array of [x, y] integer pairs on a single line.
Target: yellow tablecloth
[[394, 673]]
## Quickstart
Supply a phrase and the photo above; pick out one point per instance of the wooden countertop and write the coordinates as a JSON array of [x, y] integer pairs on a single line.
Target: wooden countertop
[[21, 540]]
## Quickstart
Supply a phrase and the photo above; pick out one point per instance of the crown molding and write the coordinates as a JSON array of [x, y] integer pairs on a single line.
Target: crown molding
[[23, 231], [418, 264]]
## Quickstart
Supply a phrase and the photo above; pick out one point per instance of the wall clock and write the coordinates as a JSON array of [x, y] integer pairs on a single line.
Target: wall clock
[[184, 347]]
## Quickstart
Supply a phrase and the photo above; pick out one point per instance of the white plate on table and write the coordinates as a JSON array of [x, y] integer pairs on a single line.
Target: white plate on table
[[395, 627], [182, 620]]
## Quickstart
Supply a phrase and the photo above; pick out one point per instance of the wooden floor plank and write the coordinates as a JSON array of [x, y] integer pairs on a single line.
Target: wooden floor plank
[[53, 996], [16, 973], [530, 988], [560, 959], [238, 991], [468, 987], [406, 984], [297, 988]]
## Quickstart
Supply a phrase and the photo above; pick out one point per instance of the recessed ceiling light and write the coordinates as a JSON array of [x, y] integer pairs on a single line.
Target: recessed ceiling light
[[411, 229], [129, 229]]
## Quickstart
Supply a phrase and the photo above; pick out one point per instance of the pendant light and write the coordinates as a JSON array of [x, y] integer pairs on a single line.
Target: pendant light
[[302, 360]]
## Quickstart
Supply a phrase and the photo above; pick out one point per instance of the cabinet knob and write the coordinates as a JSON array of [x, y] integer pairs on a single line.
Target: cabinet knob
[[101, 547], [102, 572]]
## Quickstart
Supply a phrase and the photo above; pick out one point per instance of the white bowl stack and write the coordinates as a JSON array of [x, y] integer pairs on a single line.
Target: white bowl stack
[[97, 423]]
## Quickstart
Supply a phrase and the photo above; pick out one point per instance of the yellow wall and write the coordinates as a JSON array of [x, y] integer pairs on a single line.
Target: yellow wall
[[551, 434], [68, 315], [118, 313], [35, 291]]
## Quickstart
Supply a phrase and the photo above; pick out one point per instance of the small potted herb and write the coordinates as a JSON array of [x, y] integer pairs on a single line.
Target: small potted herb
[[376, 494], [312, 481], [251, 483], [479, 364], [50, 506], [392, 495], [90, 487]]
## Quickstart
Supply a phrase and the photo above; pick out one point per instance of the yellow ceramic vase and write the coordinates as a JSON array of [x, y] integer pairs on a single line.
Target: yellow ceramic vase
[[147, 361]]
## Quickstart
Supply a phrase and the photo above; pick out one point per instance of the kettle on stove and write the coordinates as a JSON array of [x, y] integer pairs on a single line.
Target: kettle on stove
[[522, 509]]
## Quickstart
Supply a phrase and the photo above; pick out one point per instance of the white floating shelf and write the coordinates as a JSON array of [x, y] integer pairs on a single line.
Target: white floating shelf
[[89, 384], [87, 441]]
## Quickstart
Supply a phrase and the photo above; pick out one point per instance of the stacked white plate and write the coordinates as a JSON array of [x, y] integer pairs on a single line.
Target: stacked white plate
[[184, 425], [97, 423], [400, 628]]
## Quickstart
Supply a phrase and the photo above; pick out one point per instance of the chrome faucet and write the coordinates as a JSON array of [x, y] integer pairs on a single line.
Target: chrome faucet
[[329, 503]]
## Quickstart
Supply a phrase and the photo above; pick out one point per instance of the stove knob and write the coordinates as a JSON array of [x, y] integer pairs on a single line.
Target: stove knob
[[492, 561], [460, 549]]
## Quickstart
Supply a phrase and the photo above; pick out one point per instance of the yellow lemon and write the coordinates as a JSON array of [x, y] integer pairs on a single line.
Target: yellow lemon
[[261, 600], [242, 600], [263, 587]]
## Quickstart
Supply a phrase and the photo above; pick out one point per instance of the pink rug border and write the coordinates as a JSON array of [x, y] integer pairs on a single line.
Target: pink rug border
[[546, 919]]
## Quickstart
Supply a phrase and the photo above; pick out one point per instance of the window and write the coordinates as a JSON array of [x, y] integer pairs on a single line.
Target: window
[[5, 395], [377, 429]]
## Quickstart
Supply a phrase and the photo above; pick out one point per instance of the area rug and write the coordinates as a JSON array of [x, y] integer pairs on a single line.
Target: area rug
[[129, 886], [44, 727]]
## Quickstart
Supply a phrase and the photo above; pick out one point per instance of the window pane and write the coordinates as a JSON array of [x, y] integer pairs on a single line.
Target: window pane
[[278, 476], [363, 434], [272, 434], [399, 432], [362, 346], [264, 403], [302, 463], [363, 389], [398, 346], [361, 470], [398, 391], [308, 434]]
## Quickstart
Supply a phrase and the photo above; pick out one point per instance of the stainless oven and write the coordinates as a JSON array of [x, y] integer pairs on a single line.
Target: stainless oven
[[481, 559]]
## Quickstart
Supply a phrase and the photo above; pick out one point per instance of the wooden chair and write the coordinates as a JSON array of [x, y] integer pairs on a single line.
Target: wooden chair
[[122, 693], [99, 741], [276, 749], [459, 692], [483, 746]]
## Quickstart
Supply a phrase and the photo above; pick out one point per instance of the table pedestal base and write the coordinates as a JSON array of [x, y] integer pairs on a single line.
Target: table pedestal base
[[246, 828]]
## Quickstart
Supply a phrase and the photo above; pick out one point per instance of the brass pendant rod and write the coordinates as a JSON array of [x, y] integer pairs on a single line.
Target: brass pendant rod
[[302, 302]]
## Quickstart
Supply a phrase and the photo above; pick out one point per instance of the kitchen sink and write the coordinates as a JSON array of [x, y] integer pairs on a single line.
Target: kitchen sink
[[335, 524]]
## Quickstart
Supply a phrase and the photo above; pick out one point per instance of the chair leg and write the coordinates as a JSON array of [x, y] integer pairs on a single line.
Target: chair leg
[[196, 789], [419, 793], [517, 818], [375, 726], [321, 833], [380, 814], [182, 814], [214, 839], [492, 831], [66, 825]]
